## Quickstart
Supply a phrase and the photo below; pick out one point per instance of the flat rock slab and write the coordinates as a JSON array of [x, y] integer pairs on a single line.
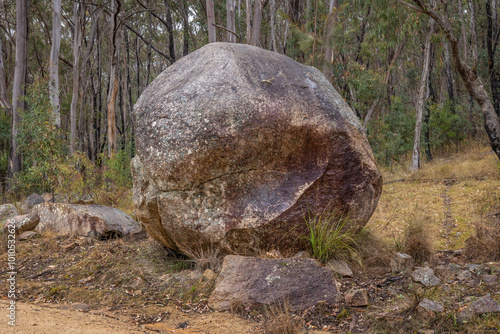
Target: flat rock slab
[[95, 220], [431, 305], [22, 223], [425, 276], [483, 305], [251, 282]]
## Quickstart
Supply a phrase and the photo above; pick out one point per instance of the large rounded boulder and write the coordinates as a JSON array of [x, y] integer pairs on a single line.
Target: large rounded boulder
[[236, 145]]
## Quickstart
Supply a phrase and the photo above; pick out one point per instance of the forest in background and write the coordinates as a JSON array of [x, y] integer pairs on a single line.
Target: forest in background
[[422, 76]]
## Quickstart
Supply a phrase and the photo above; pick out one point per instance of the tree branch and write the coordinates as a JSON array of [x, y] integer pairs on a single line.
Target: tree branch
[[230, 31]]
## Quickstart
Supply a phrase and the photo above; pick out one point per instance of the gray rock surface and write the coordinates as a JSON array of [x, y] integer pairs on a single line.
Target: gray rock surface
[[234, 141], [31, 201], [401, 262], [254, 282], [22, 223], [430, 305], [7, 211], [483, 305], [425, 276], [357, 298], [339, 267], [73, 219]]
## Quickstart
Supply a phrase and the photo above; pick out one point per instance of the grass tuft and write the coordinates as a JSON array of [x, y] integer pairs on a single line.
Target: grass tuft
[[280, 320], [330, 236]]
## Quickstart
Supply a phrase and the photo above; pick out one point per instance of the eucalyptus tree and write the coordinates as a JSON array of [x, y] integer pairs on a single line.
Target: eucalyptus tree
[[468, 73]]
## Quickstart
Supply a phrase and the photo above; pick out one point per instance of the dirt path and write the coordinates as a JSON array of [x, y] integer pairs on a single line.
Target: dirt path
[[39, 319], [49, 319]]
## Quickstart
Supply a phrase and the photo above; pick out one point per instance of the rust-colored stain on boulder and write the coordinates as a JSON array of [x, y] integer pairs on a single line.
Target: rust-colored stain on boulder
[[235, 144]]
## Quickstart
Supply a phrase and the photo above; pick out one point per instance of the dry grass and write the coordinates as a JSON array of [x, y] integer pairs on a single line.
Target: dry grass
[[417, 240], [471, 182], [484, 246], [280, 320], [372, 251], [207, 258]]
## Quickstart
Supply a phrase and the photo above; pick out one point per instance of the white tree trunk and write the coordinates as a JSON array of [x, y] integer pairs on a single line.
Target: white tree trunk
[[257, 20], [15, 161], [249, 20], [54, 63], [415, 161], [231, 21], [113, 78], [212, 37]]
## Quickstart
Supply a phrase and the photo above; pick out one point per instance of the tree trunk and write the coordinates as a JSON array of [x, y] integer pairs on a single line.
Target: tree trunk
[[449, 75], [113, 78], [415, 161], [4, 101], [170, 31], [231, 21], [212, 37], [471, 79], [54, 63], [249, 20], [185, 36], [492, 43], [22, 9], [77, 42], [273, 25], [257, 20], [330, 29], [431, 94]]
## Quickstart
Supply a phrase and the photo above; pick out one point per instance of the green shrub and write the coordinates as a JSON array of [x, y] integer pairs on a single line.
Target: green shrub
[[40, 142], [391, 136]]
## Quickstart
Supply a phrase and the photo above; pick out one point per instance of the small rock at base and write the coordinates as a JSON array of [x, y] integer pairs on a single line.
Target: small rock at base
[[425, 276], [483, 305], [401, 262], [28, 235], [339, 267], [209, 275], [429, 308], [464, 275], [490, 280], [357, 297]]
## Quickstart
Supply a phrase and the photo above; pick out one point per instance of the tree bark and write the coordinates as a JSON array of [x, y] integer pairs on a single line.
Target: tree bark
[[449, 75], [273, 25], [54, 63], [212, 37], [18, 86], [492, 43], [231, 21], [257, 20], [249, 20], [185, 36], [170, 31], [431, 94], [4, 100], [330, 29], [113, 78], [77, 43], [415, 161]]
